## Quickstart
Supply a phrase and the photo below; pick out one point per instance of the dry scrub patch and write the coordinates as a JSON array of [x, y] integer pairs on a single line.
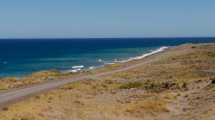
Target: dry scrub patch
[[174, 85]]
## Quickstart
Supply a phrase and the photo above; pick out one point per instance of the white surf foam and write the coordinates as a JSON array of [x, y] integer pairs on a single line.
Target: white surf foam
[[161, 49], [81, 67], [78, 67], [74, 69], [91, 67], [100, 60]]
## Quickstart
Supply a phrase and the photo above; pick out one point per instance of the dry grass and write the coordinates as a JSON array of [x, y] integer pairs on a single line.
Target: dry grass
[[39, 77], [146, 92], [131, 85], [148, 106]]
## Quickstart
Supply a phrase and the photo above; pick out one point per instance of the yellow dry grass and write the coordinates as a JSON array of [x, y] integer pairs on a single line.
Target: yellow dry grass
[[143, 93]]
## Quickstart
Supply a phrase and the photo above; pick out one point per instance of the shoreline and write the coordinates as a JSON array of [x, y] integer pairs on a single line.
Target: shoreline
[[80, 68], [171, 85], [15, 94], [37, 78]]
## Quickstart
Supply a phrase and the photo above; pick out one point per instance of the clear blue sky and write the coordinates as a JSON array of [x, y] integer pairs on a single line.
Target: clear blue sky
[[106, 18]]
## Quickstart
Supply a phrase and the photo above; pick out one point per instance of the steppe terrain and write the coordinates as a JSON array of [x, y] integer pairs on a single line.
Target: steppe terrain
[[178, 84]]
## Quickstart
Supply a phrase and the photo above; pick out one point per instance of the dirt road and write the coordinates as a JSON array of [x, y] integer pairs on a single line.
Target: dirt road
[[17, 94]]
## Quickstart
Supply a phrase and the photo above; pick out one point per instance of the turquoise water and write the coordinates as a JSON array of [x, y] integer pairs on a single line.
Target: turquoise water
[[23, 56]]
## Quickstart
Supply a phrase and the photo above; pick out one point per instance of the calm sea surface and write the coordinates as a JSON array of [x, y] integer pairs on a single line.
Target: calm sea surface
[[23, 56]]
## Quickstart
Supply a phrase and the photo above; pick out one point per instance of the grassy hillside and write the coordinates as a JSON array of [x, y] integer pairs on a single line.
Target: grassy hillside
[[178, 84]]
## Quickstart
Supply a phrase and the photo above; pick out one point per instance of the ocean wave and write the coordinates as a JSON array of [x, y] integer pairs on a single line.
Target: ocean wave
[[74, 69], [78, 67], [91, 67], [110, 63], [100, 60], [161, 49]]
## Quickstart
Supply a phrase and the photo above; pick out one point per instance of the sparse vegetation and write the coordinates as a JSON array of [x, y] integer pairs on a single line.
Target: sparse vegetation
[[177, 81], [131, 85], [148, 106], [35, 78], [3, 86]]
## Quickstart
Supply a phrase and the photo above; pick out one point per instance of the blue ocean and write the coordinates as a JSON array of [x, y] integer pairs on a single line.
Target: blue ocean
[[20, 57]]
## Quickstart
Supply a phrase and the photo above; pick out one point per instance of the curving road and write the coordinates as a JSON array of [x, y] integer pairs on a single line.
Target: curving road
[[12, 96]]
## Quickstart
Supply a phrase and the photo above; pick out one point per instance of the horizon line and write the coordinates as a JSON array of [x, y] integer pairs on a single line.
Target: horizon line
[[108, 37]]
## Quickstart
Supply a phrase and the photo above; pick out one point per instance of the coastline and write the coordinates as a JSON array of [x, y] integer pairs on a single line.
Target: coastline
[[48, 80], [156, 51], [23, 61], [79, 68], [170, 85], [7, 83]]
